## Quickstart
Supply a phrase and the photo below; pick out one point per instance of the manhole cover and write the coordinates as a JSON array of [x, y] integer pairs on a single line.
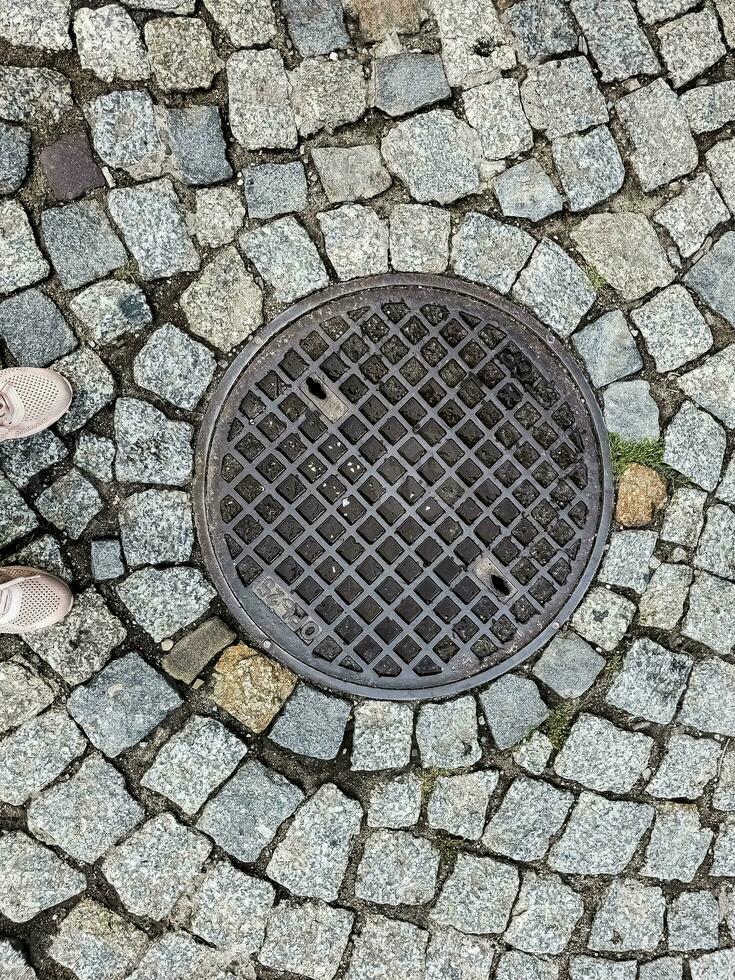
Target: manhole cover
[[403, 487]]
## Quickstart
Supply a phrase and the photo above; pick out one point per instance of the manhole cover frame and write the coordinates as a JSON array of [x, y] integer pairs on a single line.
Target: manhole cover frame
[[257, 636]]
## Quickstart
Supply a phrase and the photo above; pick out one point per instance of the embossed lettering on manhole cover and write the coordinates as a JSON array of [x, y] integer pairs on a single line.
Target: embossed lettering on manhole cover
[[403, 487]]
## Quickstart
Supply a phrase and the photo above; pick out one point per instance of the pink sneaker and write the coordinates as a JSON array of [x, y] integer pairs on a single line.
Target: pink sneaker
[[31, 600], [31, 399]]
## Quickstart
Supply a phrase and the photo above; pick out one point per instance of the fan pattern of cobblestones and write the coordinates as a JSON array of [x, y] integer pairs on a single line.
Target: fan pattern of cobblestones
[[173, 803]]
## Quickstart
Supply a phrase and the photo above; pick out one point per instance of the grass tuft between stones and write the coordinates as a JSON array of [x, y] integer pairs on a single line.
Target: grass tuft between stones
[[647, 452]]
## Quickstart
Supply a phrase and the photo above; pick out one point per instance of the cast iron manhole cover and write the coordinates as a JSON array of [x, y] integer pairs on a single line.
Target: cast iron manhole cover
[[403, 487]]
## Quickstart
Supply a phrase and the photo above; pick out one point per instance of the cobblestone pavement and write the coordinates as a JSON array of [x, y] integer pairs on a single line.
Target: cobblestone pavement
[[172, 803]]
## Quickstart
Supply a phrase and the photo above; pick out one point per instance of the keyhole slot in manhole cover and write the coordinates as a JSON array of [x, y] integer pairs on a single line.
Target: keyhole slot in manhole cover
[[404, 487]]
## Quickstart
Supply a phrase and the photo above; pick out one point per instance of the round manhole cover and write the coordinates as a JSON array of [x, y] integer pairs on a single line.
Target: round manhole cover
[[403, 487]]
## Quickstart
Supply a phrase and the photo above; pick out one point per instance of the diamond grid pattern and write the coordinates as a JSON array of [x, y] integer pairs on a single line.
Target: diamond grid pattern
[[452, 445]]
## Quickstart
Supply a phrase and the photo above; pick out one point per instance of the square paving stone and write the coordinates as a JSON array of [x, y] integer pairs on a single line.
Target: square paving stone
[[286, 258], [562, 97], [436, 155], [496, 112], [589, 166], [70, 168], [627, 562], [678, 844], [125, 133], [709, 279], [86, 814], [181, 53], [694, 445], [275, 188], [513, 707], [82, 643], [70, 503], [350, 173], [154, 228], [715, 548], [166, 600], [33, 94], [308, 939], [673, 328], [355, 240], [709, 107], [709, 704], [617, 43], [312, 724], [245, 815], [25, 693], [192, 764], [260, 111], [723, 859], [111, 310], [150, 447], [219, 215], [16, 518], [489, 252], [603, 618], [395, 803], [93, 385], [569, 665], [97, 944], [656, 124], [534, 753], [603, 757], [630, 411], [542, 27], [33, 879], [230, 909], [386, 949], [625, 251], [475, 44], [397, 868], [224, 306], [82, 243], [601, 836], [109, 44], [531, 814], [244, 25], [458, 804], [382, 736], [311, 860], [711, 385], [684, 517], [630, 917], [21, 261], [452, 953], [694, 921], [197, 144], [326, 94], [106, 559], [410, 80], [608, 349], [419, 238], [723, 797], [686, 769], [122, 705], [153, 867], [721, 163], [478, 896], [710, 619], [544, 916], [651, 683], [15, 144], [35, 754], [447, 734], [587, 968], [22, 459], [555, 288], [156, 527], [316, 28], [34, 329], [690, 45], [526, 191], [691, 216]]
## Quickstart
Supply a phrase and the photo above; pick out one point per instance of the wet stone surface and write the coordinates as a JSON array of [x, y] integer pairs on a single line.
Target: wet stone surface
[[174, 801]]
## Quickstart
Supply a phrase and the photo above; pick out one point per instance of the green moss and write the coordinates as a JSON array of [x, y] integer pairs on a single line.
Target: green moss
[[596, 278], [558, 724]]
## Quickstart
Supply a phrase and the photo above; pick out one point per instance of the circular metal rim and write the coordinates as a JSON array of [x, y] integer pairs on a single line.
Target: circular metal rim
[[252, 349]]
